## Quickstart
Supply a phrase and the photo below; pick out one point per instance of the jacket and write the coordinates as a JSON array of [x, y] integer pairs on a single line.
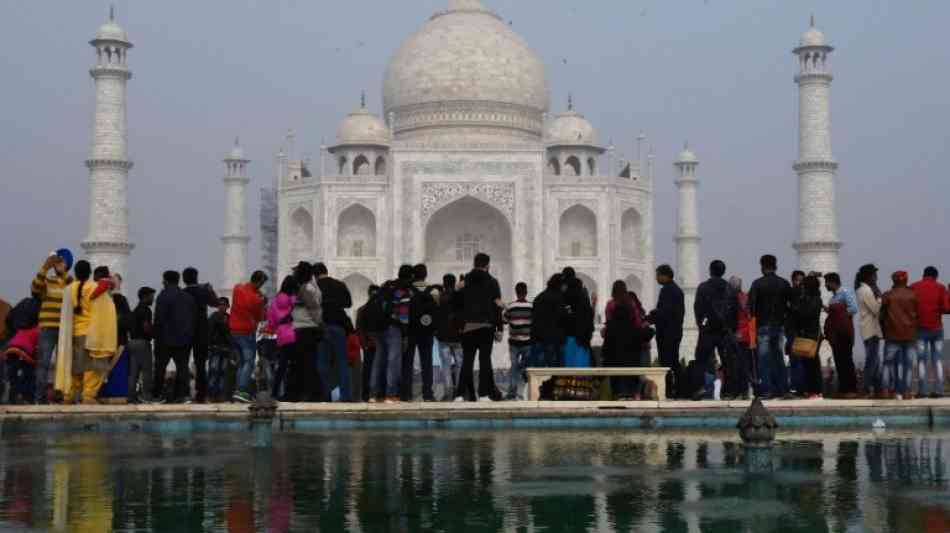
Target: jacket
[[205, 298], [869, 312], [933, 302], [174, 318], [670, 311], [247, 309], [580, 321], [141, 323], [478, 297], [622, 342], [26, 341], [335, 301], [219, 334], [805, 313], [308, 313], [899, 309], [280, 319], [839, 327], [768, 300], [549, 314], [450, 326], [715, 306]]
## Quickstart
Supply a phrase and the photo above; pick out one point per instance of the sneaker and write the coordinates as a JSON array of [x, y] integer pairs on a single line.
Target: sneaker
[[898, 396], [371, 400], [485, 399], [241, 397], [458, 399], [391, 399]]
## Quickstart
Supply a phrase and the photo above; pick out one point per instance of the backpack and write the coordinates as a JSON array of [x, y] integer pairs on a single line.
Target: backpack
[[423, 311], [378, 311]]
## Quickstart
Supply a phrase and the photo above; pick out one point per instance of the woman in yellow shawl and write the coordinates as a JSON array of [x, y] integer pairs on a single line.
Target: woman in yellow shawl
[[94, 332]]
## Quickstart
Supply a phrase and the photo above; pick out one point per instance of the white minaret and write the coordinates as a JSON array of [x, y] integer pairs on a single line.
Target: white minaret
[[235, 236], [818, 243], [687, 243], [107, 241]]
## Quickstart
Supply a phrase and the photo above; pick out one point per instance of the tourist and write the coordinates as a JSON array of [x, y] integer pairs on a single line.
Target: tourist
[[390, 353], [900, 324], [479, 299], [796, 370], [449, 335], [839, 330], [547, 323], [805, 308], [247, 312], [303, 382], [518, 316], [48, 285], [647, 333], [221, 353], [738, 385], [140, 348], [116, 385], [579, 324], [19, 356], [336, 300], [668, 319], [85, 372], [869, 313], [933, 301], [24, 316], [423, 322], [280, 320], [174, 336], [768, 305], [622, 341], [100, 345], [368, 337], [715, 310], [205, 299]]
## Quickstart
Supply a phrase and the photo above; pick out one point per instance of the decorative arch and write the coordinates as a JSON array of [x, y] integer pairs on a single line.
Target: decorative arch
[[578, 232], [361, 166], [301, 235], [572, 166], [631, 234], [356, 232], [380, 169], [554, 166], [591, 166]]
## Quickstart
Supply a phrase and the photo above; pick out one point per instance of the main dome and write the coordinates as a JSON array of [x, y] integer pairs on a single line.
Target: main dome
[[466, 70]]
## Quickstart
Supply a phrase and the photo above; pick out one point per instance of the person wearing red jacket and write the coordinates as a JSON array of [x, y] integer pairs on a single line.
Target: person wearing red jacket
[[933, 301], [248, 309]]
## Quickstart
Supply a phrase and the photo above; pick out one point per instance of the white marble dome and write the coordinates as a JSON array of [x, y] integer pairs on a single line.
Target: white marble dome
[[571, 128], [813, 37], [687, 156], [362, 127], [469, 61], [111, 31]]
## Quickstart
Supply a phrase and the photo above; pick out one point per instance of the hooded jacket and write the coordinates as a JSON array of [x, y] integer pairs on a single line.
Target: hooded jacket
[[933, 302], [247, 309]]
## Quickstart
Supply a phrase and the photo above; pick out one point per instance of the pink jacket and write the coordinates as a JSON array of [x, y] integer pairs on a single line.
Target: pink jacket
[[279, 319], [25, 343]]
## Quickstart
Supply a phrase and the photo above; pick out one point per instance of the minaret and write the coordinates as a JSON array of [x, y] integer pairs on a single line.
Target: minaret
[[107, 241], [235, 236], [818, 243], [687, 242]]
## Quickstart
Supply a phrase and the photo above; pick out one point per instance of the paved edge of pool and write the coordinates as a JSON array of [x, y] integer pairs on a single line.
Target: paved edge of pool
[[801, 415]]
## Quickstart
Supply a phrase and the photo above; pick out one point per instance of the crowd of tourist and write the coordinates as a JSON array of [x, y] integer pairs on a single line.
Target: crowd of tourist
[[76, 338]]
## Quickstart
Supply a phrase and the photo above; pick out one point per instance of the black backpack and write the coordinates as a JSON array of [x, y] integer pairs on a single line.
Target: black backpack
[[379, 311], [423, 311]]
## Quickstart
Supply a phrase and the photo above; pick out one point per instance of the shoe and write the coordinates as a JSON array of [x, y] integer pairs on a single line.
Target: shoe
[[898, 396], [241, 397], [788, 396], [371, 400], [485, 399], [814, 396], [428, 400], [936, 396], [458, 399], [698, 395], [157, 401], [391, 399]]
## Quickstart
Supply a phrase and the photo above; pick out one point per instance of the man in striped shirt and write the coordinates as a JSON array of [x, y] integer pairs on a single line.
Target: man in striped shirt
[[518, 315], [48, 286]]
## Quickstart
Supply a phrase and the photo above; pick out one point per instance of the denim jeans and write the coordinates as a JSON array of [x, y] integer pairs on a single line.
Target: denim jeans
[[247, 350], [552, 352], [901, 355], [451, 354], [872, 365], [218, 360], [773, 374], [333, 345], [44, 361], [387, 364], [930, 348], [420, 342], [519, 354]]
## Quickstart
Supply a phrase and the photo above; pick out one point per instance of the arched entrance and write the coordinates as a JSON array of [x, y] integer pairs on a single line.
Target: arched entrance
[[463, 228], [356, 232]]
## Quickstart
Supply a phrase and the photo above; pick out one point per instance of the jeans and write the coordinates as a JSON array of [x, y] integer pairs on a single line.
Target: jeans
[[140, 363], [451, 354], [21, 375], [333, 346], [178, 354], [901, 355], [423, 343], [304, 383], [219, 357], [773, 374], [552, 352], [49, 337], [519, 354], [199, 352], [843, 353], [930, 348], [480, 342], [247, 350], [367, 370], [872, 365], [387, 364]]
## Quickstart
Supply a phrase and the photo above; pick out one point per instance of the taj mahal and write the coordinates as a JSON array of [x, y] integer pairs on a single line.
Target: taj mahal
[[467, 155]]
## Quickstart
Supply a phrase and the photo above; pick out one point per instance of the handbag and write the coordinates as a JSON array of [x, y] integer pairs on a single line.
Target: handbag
[[803, 347]]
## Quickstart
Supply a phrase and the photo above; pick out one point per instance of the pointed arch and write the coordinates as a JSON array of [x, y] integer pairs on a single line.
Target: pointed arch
[[591, 166], [380, 168], [572, 166], [301, 235], [341, 164], [554, 166], [631, 234], [578, 232], [361, 166], [356, 232]]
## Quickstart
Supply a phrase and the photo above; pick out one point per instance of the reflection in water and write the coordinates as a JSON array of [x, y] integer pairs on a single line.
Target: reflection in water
[[368, 481]]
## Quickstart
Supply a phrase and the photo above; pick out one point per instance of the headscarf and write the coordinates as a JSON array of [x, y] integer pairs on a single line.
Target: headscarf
[[900, 278], [66, 256]]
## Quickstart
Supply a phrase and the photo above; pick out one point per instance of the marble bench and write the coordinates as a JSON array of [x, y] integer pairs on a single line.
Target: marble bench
[[537, 376]]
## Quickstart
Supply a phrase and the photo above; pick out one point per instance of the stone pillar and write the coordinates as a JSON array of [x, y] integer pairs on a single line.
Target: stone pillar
[[107, 239], [235, 238], [818, 245], [688, 244]]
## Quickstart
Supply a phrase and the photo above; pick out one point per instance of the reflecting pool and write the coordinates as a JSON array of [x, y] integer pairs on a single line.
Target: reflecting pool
[[484, 481]]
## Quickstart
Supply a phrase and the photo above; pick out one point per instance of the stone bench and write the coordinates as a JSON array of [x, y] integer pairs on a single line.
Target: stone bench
[[537, 376]]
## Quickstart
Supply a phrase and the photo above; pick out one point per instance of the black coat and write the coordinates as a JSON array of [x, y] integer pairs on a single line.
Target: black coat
[[550, 315], [622, 343], [477, 299], [670, 311], [174, 318]]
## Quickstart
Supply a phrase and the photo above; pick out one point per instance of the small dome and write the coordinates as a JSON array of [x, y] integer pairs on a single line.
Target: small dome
[[362, 127], [236, 151], [687, 156], [111, 31], [571, 128], [813, 37]]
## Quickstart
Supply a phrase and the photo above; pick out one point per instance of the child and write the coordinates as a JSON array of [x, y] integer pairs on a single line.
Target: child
[[21, 363]]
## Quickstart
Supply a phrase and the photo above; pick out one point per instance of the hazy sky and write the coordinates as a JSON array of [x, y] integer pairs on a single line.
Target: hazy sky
[[719, 73]]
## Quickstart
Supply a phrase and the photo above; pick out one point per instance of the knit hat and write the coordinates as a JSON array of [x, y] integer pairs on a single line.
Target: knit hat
[[900, 277], [66, 256]]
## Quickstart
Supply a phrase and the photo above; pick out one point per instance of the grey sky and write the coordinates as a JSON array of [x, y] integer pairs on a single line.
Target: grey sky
[[716, 72]]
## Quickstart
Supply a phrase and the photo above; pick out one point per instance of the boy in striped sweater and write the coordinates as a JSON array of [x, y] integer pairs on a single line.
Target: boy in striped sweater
[[518, 316], [48, 286]]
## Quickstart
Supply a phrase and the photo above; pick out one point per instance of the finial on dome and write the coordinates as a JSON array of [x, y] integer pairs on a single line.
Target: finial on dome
[[812, 20], [112, 13], [363, 100], [570, 102], [237, 141], [459, 5]]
